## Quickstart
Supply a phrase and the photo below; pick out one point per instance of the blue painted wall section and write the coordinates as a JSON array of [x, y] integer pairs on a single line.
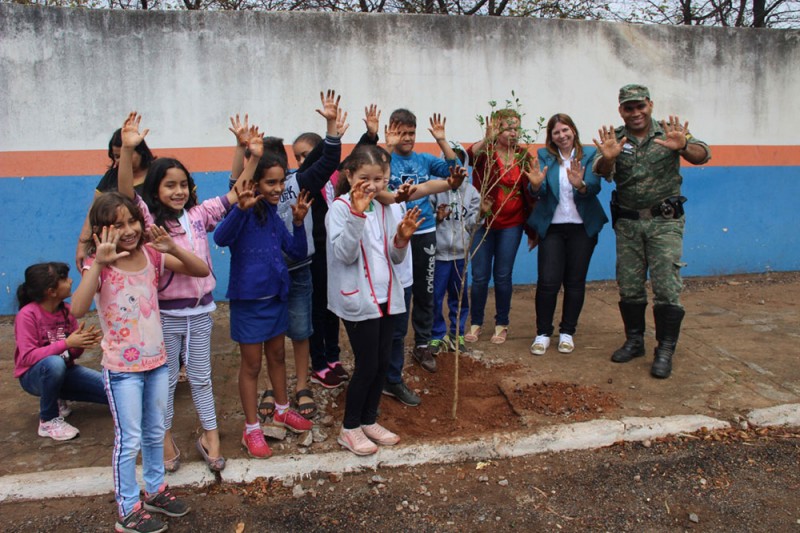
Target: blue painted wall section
[[741, 219]]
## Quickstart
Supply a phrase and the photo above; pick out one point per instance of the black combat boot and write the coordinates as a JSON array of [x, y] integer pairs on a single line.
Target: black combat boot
[[633, 318], [668, 326]]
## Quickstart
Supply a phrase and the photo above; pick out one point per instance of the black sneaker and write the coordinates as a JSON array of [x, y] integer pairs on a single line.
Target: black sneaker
[[402, 393], [423, 356], [139, 521], [165, 502]]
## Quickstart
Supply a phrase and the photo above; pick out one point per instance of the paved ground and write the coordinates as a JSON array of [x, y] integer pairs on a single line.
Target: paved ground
[[738, 352]]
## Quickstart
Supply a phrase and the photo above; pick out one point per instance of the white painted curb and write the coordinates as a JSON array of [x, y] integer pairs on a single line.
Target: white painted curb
[[579, 436], [779, 415]]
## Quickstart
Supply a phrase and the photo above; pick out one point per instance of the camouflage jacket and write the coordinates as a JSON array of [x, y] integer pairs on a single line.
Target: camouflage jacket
[[646, 172]]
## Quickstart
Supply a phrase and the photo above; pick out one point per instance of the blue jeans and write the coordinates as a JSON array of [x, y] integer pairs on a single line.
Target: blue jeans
[[394, 374], [495, 255], [300, 304], [52, 379], [138, 402], [448, 278]]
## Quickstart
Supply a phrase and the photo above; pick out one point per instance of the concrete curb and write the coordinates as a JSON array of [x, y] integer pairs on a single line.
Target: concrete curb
[[779, 415], [580, 436]]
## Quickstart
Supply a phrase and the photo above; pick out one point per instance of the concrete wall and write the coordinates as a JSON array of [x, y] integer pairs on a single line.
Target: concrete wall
[[68, 78]]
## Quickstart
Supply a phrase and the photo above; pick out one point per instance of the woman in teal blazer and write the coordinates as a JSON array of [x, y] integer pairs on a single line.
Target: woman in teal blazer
[[568, 218]]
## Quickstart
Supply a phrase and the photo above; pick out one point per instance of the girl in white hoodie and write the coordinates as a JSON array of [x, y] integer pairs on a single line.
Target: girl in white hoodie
[[364, 245]]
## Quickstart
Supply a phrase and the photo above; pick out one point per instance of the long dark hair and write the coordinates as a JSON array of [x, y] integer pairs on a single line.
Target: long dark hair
[[142, 149], [364, 154], [551, 146], [155, 175], [104, 213], [40, 278], [269, 160]]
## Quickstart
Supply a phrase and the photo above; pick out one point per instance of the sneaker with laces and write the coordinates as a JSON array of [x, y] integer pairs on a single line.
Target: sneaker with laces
[[436, 346], [255, 444], [339, 370], [327, 378], [292, 420], [165, 502], [64, 409], [380, 435], [450, 340], [540, 344], [58, 429], [139, 521], [402, 393], [356, 441], [565, 343], [423, 356]]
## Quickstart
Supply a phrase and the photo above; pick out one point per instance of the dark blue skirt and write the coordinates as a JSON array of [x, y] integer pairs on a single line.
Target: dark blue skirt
[[257, 321]]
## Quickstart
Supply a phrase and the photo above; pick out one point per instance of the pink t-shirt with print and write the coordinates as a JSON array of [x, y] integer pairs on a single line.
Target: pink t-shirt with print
[[127, 306]]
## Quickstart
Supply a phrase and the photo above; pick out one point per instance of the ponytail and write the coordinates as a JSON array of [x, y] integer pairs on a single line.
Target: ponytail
[[39, 278]]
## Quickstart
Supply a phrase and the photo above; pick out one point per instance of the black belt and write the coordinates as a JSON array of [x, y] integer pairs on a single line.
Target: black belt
[[671, 207]]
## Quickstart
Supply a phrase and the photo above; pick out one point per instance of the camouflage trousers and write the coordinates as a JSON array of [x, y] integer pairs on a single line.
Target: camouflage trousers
[[655, 245]]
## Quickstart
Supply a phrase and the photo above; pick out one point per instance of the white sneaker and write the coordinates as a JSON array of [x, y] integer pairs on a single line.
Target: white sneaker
[[64, 409], [565, 343], [540, 344], [58, 429]]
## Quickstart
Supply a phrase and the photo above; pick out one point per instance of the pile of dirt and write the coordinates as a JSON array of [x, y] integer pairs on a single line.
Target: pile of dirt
[[482, 407], [567, 400]]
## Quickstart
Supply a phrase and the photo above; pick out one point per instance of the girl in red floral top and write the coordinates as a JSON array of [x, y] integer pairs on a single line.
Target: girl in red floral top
[[499, 173]]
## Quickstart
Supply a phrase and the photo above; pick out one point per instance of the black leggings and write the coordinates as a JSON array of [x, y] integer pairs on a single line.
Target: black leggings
[[564, 256], [371, 341]]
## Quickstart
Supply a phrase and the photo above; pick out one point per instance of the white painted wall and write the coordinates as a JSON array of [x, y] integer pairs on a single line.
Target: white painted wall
[[68, 77]]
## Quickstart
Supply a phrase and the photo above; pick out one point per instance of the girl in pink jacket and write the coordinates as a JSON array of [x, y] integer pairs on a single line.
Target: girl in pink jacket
[[186, 303]]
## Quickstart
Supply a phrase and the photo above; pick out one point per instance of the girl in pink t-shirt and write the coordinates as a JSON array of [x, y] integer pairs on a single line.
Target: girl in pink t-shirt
[[121, 274]]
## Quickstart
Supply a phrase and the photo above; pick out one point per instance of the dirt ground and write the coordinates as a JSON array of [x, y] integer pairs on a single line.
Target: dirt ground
[[726, 481], [738, 351]]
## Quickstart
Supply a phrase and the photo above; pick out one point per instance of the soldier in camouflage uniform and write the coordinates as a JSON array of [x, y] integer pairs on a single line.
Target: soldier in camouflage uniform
[[643, 159]]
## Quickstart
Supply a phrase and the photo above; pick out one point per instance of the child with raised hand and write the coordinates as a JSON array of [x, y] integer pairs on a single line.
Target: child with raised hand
[[122, 273], [258, 287], [419, 168], [48, 341], [363, 236], [457, 217], [186, 303], [141, 158], [311, 178]]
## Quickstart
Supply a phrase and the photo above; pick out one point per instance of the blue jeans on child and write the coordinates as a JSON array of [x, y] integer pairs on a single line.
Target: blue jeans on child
[[496, 256], [448, 278], [138, 402], [300, 290], [52, 379]]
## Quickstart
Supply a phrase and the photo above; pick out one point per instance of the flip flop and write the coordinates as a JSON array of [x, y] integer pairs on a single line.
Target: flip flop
[[266, 408], [305, 393], [215, 464], [172, 465]]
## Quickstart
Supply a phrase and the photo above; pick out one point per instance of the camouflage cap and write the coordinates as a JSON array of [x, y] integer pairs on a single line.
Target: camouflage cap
[[633, 92]]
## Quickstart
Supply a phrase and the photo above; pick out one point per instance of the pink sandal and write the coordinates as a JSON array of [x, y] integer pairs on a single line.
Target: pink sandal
[[473, 334], [500, 334]]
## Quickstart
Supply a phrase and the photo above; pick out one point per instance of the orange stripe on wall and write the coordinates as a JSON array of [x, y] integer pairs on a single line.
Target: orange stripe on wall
[[215, 159]]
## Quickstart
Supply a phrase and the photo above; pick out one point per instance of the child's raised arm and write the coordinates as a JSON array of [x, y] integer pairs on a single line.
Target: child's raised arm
[[240, 130], [437, 130], [131, 138], [105, 254], [178, 259], [330, 111], [254, 141]]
